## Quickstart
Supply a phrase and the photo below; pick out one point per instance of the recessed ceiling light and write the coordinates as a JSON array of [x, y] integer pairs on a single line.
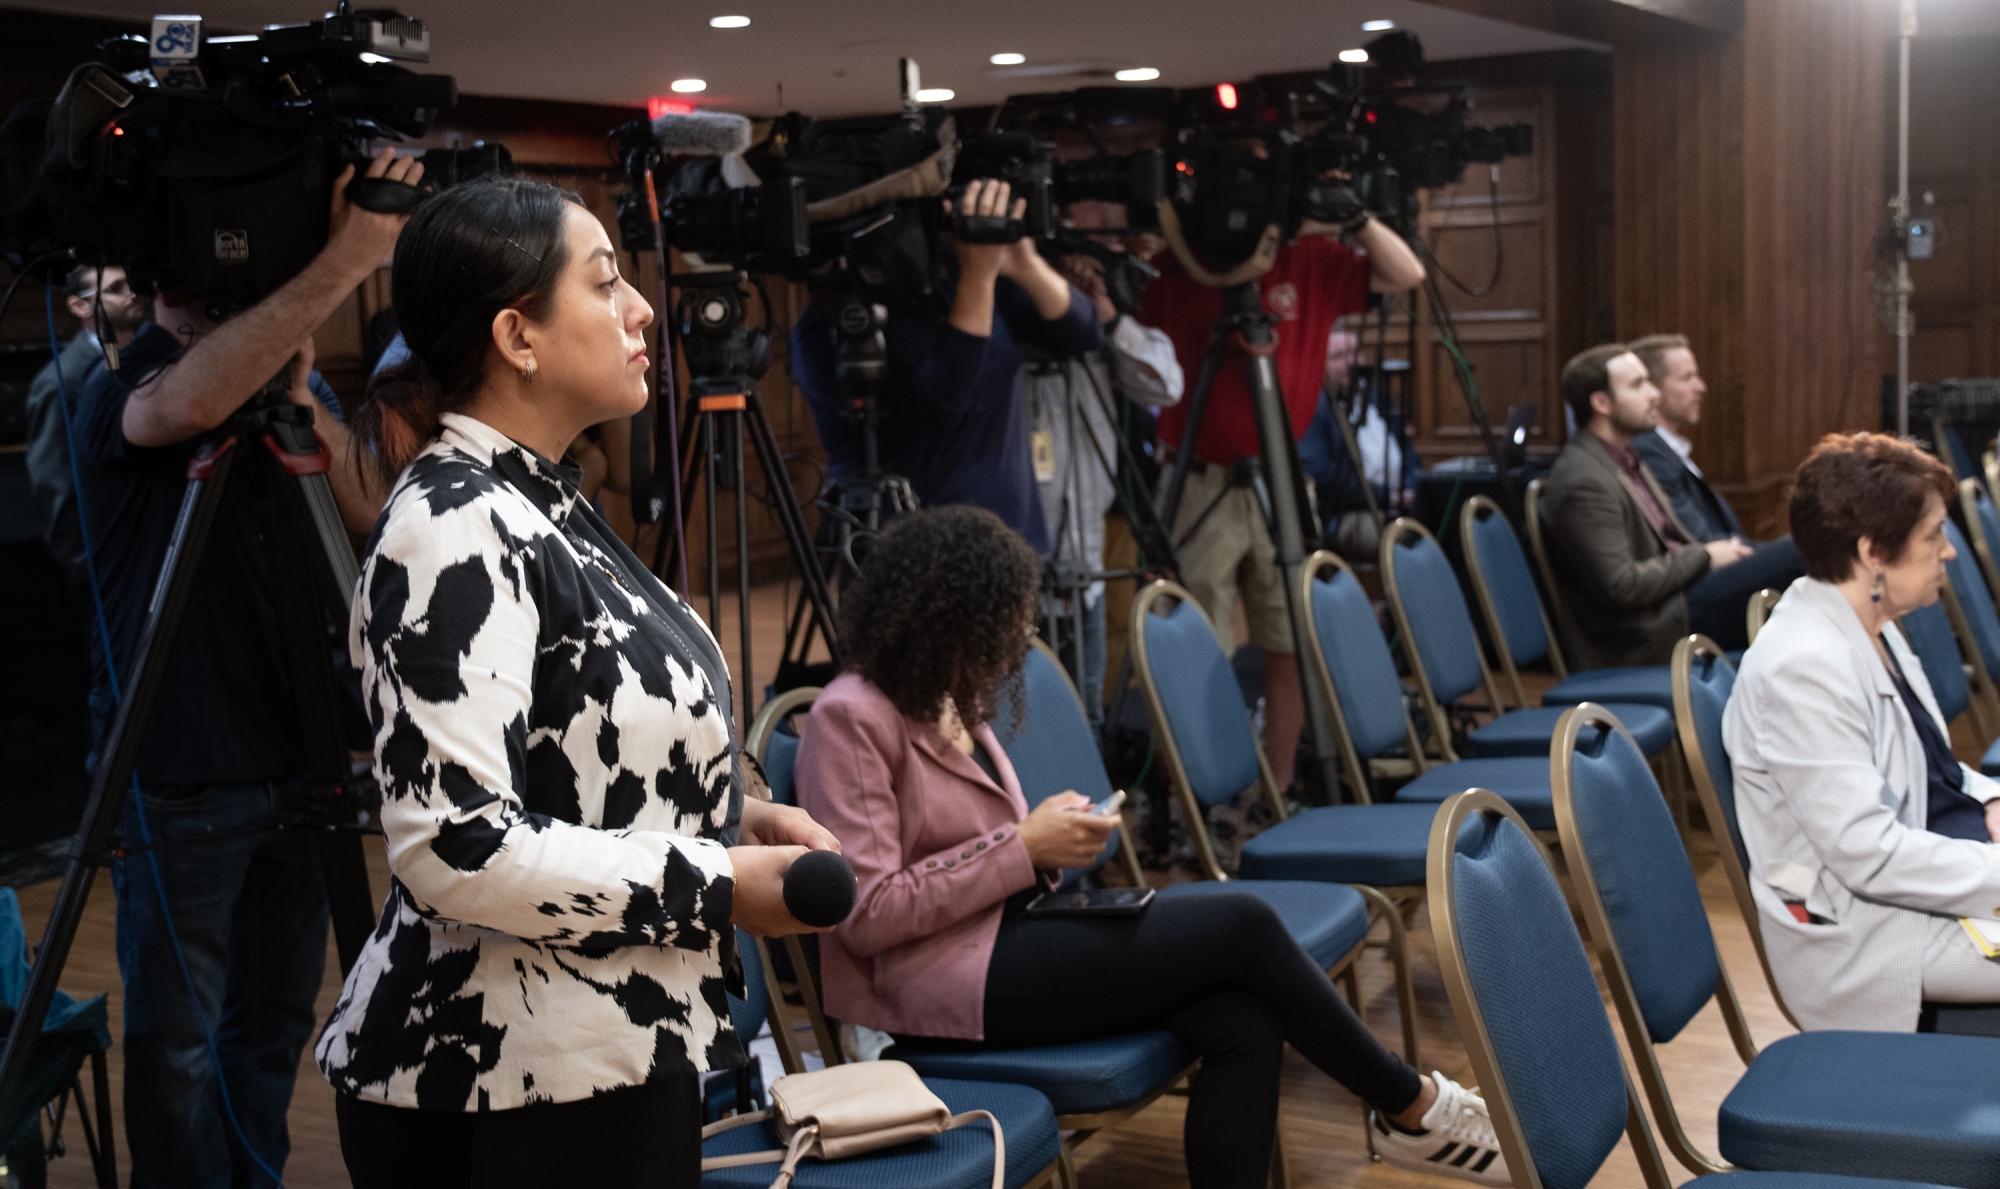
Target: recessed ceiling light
[[371, 59], [936, 95], [688, 86], [1138, 74], [744, 22], [1376, 26], [1008, 59], [1354, 55]]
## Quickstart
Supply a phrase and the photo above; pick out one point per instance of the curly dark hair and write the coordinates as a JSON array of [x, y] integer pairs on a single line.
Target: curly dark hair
[[943, 609], [1862, 485]]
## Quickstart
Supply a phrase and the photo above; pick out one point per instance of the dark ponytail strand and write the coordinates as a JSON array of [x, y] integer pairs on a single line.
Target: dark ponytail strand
[[467, 254]]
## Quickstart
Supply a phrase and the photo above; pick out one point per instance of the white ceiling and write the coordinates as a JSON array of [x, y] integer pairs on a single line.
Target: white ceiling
[[840, 59], [1957, 18]]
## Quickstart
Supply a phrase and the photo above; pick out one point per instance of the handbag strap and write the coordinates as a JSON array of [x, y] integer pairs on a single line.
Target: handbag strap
[[803, 1138]]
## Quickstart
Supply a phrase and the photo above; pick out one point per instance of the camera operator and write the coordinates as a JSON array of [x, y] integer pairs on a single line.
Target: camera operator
[[1073, 437], [951, 422], [1386, 455], [102, 300], [1312, 283], [220, 939]]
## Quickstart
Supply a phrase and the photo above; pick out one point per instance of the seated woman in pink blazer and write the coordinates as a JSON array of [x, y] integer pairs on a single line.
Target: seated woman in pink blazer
[[898, 761]]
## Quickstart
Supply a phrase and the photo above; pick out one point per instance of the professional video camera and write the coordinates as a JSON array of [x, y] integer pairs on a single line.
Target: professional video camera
[[203, 164]]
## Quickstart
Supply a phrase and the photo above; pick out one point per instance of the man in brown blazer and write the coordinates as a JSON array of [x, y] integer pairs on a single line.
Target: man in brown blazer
[[1624, 560]]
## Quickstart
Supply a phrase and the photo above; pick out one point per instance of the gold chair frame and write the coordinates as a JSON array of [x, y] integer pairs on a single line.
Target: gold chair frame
[[1757, 610], [1597, 928], [1490, 608], [1382, 906], [1686, 653], [1472, 1021], [758, 741]]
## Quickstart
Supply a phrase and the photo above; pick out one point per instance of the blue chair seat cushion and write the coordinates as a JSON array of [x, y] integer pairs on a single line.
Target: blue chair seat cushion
[[1077, 1079], [1645, 685], [1521, 781], [1799, 1181], [1379, 845], [1989, 764], [960, 1159], [1326, 919], [1528, 732], [1879, 1104]]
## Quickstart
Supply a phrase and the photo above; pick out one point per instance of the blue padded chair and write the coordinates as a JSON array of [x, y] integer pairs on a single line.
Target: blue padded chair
[[1703, 680], [1951, 448], [74, 1031], [1202, 733], [1438, 637], [1968, 605], [963, 1157], [1872, 1103], [1054, 751], [1528, 1008], [1928, 631], [1982, 527], [1350, 659], [775, 742], [1519, 627]]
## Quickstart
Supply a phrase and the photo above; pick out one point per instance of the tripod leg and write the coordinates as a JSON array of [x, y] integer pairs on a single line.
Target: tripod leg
[[746, 676], [792, 519], [119, 756], [1211, 362], [709, 513]]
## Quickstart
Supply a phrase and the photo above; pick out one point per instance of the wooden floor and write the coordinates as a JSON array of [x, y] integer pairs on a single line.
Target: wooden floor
[[1322, 1125]]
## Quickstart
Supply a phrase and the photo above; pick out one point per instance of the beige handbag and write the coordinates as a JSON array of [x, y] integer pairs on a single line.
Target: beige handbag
[[847, 1110]]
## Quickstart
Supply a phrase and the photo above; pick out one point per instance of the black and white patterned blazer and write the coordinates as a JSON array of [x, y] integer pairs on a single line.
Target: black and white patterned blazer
[[559, 783]]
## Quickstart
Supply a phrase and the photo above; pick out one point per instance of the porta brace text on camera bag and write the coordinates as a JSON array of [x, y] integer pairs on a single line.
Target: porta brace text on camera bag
[[849, 1110]]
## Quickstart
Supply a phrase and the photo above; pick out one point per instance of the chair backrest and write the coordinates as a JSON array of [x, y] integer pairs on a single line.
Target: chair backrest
[[1975, 600], [1430, 611], [1757, 610], [1053, 751], [1928, 629], [1951, 448], [1982, 525], [1505, 588], [1538, 548], [1703, 680], [774, 741], [1641, 906], [1521, 988], [1350, 655], [1201, 728]]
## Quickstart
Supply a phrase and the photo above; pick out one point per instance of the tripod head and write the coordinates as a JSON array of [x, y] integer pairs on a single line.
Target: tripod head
[[723, 355]]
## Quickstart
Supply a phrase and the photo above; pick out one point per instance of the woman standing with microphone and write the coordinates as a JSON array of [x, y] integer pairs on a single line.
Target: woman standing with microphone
[[561, 792]]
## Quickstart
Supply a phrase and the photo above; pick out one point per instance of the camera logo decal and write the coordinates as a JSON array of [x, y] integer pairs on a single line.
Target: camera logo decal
[[232, 247], [175, 51]]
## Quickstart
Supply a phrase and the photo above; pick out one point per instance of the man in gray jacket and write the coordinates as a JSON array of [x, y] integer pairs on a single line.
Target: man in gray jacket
[[1623, 558], [98, 298]]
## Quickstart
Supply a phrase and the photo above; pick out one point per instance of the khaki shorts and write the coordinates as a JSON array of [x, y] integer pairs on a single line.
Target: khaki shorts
[[1230, 557]]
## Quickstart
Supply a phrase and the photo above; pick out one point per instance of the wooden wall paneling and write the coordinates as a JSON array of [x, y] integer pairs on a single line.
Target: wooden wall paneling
[[1955, 158]]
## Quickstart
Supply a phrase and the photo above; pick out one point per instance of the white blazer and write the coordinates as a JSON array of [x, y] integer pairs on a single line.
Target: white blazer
[[1832, 795]]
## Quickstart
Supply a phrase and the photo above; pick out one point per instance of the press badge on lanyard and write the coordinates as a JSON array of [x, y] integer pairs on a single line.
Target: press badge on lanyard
[[1043, 444]]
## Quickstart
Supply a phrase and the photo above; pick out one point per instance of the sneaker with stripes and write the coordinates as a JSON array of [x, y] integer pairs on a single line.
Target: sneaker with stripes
[[1457, 1139]]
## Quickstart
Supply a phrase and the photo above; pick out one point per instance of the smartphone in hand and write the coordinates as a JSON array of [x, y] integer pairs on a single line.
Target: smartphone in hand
[[1110, 806]]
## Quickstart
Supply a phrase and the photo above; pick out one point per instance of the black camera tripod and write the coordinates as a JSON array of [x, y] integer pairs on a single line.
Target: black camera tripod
[[1281, 493], [725, 360], [313, 573]]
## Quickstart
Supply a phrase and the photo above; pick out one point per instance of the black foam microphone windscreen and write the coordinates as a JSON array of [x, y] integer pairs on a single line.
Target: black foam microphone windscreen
[[819, 889], [701, 133]]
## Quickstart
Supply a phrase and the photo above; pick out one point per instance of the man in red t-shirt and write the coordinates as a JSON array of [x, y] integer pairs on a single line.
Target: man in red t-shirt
[[1312, 283]]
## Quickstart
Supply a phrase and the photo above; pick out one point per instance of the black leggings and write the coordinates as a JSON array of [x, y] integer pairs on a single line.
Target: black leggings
[[1224, 975], [642, 1136]]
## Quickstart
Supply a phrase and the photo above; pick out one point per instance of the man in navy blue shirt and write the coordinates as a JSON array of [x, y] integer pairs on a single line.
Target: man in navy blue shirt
[[222, 927], [951, 421]]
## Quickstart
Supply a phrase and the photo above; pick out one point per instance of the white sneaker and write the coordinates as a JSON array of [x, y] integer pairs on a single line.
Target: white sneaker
[[1457, 1139]]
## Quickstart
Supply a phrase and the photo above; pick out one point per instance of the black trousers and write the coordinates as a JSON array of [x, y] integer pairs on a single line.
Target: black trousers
[[642, 1136], [1224, 975], [1718, 599]]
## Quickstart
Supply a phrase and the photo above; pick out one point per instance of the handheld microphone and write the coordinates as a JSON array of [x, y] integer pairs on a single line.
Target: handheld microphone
[[701, 133], [819, 889]]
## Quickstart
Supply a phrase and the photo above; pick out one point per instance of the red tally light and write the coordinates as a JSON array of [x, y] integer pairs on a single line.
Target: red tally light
[[660, 105], [1225, 94], [117, 131], [1370, 117]]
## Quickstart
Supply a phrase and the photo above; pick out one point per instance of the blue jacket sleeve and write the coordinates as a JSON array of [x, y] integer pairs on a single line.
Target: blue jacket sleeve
[[933, 364], [1076, 332]]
